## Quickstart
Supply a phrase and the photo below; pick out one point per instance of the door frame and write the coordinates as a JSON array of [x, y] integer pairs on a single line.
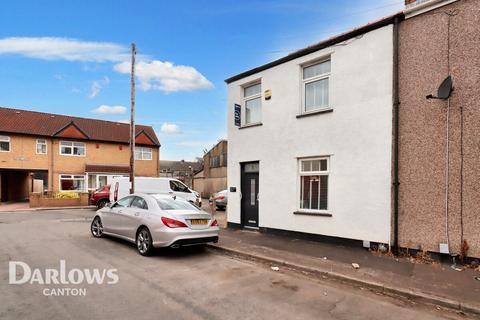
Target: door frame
[[242, 211]]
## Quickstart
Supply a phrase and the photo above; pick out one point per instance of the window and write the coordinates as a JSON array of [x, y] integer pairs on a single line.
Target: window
[[70, 148], [142, 153], [4, 144], [314, 184], [224, 160], [72, 183], [316, 86], [174, 204], [41, 146], [124, 202], [92, 182], [178, 186], [252, 96], [139, 203], [215, 161]]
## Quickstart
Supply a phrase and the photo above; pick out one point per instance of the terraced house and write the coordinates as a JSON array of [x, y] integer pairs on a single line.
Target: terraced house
[[68, 153]]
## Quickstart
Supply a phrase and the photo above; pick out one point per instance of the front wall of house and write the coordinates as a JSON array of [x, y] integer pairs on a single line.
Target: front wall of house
[[23, 155], [356, 136], [423, 153]]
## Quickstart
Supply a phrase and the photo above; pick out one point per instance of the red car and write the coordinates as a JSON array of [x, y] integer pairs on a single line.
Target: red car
[[101, 197]]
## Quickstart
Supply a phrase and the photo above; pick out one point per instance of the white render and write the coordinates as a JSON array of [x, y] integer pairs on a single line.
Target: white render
[[357, 136]]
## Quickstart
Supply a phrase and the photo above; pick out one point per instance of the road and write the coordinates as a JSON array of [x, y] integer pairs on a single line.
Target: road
[[173, 284]]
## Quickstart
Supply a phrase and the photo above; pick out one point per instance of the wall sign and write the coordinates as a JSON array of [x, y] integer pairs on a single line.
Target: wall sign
[[237, 115]]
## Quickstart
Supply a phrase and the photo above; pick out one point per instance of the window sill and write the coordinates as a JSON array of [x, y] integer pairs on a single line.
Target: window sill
[[251, 125], [312, 213], [313, 113], [72, 155]]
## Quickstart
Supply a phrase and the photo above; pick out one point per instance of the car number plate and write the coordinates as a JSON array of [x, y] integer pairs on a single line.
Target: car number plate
[[199, 221]]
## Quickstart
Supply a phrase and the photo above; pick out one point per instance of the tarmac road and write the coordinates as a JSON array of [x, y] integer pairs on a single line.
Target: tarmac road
[[193, 283]]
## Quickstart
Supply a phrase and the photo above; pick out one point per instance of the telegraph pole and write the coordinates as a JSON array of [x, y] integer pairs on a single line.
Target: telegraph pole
[[132, 121]]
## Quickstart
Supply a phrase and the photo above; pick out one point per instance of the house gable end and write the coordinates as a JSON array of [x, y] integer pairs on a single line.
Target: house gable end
[[71, 130]]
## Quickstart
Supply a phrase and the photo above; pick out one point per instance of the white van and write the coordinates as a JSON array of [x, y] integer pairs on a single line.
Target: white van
[[120, 187]]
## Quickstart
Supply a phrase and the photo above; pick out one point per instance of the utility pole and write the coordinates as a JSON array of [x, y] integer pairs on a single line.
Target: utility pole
[[132, 121]]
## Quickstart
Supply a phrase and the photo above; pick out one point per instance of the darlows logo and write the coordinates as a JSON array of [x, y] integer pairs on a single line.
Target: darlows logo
[[20, 273]]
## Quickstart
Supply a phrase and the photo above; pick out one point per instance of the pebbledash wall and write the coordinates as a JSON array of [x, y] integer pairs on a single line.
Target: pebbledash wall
[[424, 58], [356, 136]]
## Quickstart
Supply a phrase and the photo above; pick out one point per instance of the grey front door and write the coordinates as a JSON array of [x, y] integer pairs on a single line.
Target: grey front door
[[249, 185]]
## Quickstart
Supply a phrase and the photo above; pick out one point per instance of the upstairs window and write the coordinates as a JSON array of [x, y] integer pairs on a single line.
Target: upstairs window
[[4, 144], [252, 96], [215, 161], [142, 153], [70, 148], [314, 184], [41, 146], [224, 159], [316, 78]]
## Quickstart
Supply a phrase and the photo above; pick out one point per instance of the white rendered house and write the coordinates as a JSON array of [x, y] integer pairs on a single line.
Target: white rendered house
[[310, 139]]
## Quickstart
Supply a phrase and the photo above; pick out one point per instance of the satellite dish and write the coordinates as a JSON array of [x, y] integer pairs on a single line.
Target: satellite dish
[[444, 90]]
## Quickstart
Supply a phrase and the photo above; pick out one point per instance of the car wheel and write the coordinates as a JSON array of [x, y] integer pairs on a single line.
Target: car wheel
[[144, 242], [102, 203], [96, 227]]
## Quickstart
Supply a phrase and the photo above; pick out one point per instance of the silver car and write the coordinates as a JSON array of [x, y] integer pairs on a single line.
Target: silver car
[[152, 221], [221, 199]]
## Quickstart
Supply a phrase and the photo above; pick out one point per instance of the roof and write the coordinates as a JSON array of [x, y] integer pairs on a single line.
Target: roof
[[51, 125], [321, 45], [180, 165], [98, 168]]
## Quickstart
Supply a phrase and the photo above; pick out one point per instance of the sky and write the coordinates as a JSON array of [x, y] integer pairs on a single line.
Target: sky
[[72, 57]]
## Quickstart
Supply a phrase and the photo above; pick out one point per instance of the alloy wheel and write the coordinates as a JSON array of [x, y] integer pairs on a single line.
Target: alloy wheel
[[143, 241], [97, 227]]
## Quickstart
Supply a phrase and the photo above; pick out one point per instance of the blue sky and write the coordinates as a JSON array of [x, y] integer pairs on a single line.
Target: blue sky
[[69, 57]]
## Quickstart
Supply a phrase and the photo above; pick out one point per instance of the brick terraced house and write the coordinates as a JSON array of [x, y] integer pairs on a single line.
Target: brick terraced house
[[68, 153]]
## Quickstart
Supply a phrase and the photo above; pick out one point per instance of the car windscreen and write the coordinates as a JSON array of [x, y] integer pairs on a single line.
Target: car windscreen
[[174, 204]]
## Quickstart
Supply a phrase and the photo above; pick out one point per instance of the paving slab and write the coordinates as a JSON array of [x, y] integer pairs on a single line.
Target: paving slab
[[433, 283]]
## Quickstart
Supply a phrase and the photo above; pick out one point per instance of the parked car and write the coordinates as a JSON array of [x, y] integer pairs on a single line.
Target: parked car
[[152, 221], [221, 199], [101, 196], [121, 188]]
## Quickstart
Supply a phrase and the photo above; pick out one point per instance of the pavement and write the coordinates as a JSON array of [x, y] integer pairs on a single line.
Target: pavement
[[435, 283], [194, 283], [25, 206], [14, 206]]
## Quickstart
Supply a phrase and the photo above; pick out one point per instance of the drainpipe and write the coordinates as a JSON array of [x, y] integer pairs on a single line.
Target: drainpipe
[[52, 157], [396, 105]]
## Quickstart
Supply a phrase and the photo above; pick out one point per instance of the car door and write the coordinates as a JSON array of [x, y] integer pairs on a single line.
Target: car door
[[116, 216], [181, 190], [133, 216]]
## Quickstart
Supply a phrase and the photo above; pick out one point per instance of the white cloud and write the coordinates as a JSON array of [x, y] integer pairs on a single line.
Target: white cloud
[[97, 85], [165, 76], [124, 121], [54, 48], [104, 109], [170, 128]]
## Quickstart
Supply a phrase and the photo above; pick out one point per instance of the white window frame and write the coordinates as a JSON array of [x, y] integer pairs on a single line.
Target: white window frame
[[253, 97], [97, 176], [38, 143], [322, 76], [72, 154], [143, 151], [72, 177], [6, 139], [313, 173]]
